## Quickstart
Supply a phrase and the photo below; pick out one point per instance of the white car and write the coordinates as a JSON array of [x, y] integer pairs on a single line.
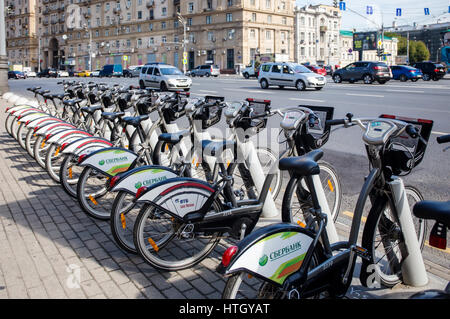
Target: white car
[[95, 73], [164, 77], [30, 74], [62, 73]]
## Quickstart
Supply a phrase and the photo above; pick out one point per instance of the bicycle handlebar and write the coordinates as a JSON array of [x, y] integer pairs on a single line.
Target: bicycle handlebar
[[443, 139]]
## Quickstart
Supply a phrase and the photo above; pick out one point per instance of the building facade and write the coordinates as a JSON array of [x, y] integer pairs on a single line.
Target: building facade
[[21, 41], [347, 54], [317, 34], [80, 34]]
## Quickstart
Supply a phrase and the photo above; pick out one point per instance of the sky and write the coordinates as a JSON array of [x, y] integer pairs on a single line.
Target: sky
[[384, 12]]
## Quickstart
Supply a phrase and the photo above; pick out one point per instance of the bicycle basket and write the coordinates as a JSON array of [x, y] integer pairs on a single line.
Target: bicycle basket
[[210, 113], [123, 100], [145, 106], [318, 135], [255, 116], [176, 109], [92, 98], [106, 100], [404, 152]]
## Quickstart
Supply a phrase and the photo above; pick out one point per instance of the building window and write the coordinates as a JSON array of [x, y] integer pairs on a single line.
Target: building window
[[150, 26], [164, 39], [189, 21], [229, 17], [139, 15], [253, 17], [208, 19], [268, 4], [268, 35], [163, 25], [210, 36], [269, 19], [284, 20], [164, 12], [252, 34], [190, 7], [230, 3]]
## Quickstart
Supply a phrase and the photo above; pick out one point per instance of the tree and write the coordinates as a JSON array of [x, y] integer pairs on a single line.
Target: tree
[[421, 52]]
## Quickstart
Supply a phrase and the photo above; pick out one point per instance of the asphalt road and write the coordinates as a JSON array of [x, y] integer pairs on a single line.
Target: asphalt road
[[345, 149]]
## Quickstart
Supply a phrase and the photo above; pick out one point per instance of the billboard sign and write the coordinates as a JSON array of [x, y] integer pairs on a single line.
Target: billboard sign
[[363, 41]]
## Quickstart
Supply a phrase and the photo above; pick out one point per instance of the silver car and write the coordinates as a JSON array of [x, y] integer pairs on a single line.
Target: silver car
[[289, 74], [206, 70], [163, 76]]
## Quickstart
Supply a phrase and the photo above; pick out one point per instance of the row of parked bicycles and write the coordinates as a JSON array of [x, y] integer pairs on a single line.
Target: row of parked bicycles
[[171, 195]]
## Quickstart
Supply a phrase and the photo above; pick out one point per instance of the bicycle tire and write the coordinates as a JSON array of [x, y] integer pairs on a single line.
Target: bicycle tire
[[122, 221], [376, 212], [29, 142], [53, 160], [288, 206], [21, 134], [88, 193], [39, 151], [166, 243], [8, 120]]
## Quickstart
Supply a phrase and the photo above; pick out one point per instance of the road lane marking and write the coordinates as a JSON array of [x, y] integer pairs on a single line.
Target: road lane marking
[[307, 100], [368, 95], [206, 91], [406, 91]]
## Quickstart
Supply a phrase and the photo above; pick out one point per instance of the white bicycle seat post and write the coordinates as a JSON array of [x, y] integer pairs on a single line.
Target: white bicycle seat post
[[413, 267]]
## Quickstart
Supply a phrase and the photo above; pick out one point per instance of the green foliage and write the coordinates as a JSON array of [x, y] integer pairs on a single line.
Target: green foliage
[[417, 49]]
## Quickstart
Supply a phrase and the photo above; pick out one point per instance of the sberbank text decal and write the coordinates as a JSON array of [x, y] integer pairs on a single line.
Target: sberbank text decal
[[150, 181], [113, 160]]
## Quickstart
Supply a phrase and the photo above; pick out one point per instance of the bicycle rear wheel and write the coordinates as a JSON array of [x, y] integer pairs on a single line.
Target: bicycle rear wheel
[[297, 201], [168, 244], [383, 239], [69, 173], [53, 160], [93, 195]]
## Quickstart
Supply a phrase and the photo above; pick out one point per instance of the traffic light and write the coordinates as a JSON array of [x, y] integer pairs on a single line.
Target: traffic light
[[380, 51]]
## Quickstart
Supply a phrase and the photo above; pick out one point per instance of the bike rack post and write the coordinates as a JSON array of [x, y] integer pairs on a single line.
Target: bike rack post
[[413, 267], [258, 176], [330, 228]]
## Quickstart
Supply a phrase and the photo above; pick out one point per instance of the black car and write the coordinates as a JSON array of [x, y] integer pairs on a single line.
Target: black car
[[47, 73], [329, 69], [365, 70], [16, 75], [430, 70]]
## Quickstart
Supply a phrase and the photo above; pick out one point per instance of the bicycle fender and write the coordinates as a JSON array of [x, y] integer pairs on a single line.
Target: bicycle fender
[[19, 114], [48, 129], [37, 124], [79, 145], [65, 136], [16, 108], [146, 175], [26, 118], [272, 253], [36, 121], [187, 195], [110, 161]]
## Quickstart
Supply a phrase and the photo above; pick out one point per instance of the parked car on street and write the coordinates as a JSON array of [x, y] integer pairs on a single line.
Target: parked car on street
[[365, 70], [132, 71], [205, 70], [30, 74], [405, 73], [95, 73], [84, 74], [430, 70], [16, 75], [164, 77], [329, 69], [111, 70], [63, 74], [289, 74], [47, 73], [317, 69]]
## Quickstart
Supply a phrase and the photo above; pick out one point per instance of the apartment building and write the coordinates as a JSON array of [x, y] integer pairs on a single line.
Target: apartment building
[[21, 33], [347, 54], [317, 34], [77, 33]]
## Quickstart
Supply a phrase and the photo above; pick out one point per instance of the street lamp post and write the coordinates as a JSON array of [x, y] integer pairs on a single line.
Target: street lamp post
[[90, 46], [4, 87], [183, 22]]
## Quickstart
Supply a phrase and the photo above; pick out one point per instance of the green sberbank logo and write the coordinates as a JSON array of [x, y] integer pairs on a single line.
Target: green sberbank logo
[[263, 260], [150, 182], [113, 160]]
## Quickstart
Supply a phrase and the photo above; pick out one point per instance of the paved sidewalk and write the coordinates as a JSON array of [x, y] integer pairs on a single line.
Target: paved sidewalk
[[47, 241]]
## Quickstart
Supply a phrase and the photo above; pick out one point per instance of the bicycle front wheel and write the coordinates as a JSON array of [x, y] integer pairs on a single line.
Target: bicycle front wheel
[[383, 239], [297, 201]]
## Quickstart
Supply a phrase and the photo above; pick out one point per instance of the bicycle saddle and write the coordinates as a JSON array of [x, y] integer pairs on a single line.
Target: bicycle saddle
[[302, 165], [438, 211], [173, 138], [91, 109], [59, 96], [216, 148], [34, 89], [111, 116], [72, 102], [134, 120]]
